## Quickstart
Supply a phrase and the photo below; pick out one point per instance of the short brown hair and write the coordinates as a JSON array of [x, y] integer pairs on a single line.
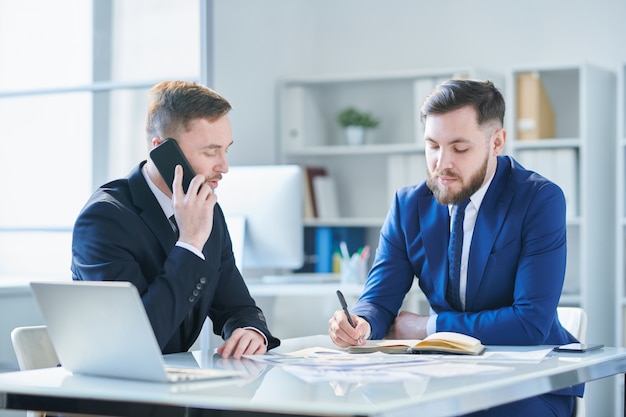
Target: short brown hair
[[454, 94], [174, 104]]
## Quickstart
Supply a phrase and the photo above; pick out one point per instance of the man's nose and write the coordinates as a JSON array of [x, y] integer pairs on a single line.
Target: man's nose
[[222, 164], [444, 159]]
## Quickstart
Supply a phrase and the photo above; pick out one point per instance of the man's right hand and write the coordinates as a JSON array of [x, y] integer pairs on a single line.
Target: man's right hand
[[193, 211], [343, 334]]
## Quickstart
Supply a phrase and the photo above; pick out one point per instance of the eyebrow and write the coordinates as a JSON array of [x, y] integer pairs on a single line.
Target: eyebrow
[[214, 146], [452, 142]]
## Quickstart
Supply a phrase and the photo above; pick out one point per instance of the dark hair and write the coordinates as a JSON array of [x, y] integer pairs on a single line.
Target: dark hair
[[174, 104], [454, 94]]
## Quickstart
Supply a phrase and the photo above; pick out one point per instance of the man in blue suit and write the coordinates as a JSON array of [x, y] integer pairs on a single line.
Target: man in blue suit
[[512, 262], [183, 268]]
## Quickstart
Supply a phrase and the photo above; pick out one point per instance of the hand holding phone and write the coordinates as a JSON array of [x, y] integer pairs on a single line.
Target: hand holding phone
[[165, 157], [195, 221]]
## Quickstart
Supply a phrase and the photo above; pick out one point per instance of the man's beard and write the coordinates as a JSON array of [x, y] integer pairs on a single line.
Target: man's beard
[[442, 194]]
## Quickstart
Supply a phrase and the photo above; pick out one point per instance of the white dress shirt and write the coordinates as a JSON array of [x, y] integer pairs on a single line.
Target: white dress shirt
[[471, 213], [166, 205]]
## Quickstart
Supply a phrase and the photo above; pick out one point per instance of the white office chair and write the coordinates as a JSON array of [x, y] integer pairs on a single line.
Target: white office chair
[[574, 319], [33, 348]]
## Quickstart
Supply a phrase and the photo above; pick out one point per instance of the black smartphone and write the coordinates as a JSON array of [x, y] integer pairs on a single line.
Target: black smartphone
[[578, 347], [166, 156]]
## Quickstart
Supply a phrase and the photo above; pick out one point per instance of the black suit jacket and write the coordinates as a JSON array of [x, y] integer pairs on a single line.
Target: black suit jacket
[[122, 234]]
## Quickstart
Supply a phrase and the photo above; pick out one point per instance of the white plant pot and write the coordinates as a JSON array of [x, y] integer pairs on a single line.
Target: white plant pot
[[355, 135]]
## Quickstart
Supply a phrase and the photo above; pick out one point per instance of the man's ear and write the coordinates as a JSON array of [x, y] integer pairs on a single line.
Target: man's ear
[[499, 140], [156, 141]]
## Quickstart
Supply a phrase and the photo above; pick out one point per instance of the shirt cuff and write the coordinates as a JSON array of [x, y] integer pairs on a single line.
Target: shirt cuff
[[431, 326], [368, 335], [191, 249]]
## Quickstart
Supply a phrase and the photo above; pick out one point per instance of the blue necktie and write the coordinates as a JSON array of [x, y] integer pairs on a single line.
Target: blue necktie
[[455, 247]]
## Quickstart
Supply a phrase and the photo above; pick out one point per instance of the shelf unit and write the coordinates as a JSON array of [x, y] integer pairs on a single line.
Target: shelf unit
[[582, 97], [620, 222], [579, 158]]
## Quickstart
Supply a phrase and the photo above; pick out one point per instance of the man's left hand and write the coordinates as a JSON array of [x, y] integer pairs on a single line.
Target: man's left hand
[[243, 342], [408, 326]]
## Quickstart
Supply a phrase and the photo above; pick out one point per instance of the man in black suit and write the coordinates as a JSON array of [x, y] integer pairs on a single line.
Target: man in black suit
[[183, 268]]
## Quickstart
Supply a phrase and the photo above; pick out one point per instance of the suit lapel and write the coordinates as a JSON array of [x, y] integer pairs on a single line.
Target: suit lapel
[[491, 216], [150, 210], [435, 226]]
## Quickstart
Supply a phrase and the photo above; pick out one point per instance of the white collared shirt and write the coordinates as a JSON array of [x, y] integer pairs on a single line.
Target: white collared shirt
[[471, 214]]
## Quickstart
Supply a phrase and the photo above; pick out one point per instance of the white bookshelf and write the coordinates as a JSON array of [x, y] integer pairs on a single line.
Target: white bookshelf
[[580, 159]]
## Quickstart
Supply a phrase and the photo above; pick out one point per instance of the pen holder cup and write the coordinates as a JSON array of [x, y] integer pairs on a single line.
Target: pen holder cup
[[353, 270]]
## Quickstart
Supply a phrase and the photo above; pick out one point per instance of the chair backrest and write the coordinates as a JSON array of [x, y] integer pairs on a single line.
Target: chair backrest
[[33, 348], [574, 319]]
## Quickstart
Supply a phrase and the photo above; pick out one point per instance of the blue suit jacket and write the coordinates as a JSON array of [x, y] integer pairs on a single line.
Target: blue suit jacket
[[516, 261], [122, 234]]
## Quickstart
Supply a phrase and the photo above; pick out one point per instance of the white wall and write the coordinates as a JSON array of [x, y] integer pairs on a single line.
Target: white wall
[[257, 42]]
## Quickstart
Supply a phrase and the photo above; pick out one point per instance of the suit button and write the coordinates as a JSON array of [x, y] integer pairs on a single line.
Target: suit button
[[203, 280], [192, 298], [199, 286], [195, 293]]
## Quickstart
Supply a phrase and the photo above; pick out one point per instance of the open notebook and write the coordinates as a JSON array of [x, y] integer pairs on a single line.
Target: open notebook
[[101, 328]]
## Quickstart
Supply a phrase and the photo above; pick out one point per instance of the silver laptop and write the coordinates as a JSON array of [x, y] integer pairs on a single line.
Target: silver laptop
[[101, 328]]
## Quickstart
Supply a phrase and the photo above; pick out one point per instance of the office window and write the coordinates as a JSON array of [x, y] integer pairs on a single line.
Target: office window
[[155, 39], [44, 44], [74, 77], [44, 159]]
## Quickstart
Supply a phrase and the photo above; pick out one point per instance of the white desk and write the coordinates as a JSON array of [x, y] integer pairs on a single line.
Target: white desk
[[276, 392]]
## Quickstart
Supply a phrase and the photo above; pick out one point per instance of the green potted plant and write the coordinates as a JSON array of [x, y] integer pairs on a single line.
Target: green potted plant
[[354, 123]]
